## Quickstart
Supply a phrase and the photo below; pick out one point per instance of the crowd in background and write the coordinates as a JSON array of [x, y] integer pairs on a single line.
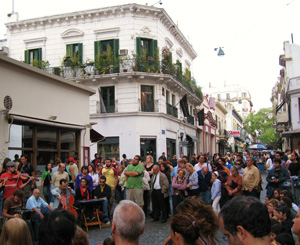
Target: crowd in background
[[158, 188]]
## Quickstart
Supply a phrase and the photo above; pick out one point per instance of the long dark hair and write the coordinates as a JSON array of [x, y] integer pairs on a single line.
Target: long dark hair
[[93, 168], [46, 166]]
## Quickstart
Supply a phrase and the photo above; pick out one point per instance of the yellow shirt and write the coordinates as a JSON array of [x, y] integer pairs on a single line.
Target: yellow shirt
[[110, 176], [251, 178]]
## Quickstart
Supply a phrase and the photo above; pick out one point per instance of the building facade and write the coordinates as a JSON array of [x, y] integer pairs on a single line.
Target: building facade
[[136, 59], [239, 97], [40, 117], [285, 96]]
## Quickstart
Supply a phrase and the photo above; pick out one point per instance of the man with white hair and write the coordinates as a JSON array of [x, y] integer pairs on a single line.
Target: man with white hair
[[128, 223]]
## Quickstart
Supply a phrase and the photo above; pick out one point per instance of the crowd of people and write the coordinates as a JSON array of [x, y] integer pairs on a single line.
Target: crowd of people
[[193, 191]]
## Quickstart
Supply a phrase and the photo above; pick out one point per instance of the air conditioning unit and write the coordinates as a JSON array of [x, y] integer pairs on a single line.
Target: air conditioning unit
[[123, 52]]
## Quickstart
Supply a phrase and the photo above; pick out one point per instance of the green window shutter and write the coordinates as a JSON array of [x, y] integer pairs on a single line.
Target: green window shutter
[[27, 57], [96, 49], [40, 54], [69, 50], [80, 52], [138, 46], [153, 46], [116, 55]]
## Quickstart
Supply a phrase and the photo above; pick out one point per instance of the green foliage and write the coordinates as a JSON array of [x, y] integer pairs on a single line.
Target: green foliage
[[104, 62], [261, 124]]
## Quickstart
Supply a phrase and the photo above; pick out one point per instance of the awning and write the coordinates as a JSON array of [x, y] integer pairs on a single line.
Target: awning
[[290, 133], [239, 147], [95, 136], [194, 138]]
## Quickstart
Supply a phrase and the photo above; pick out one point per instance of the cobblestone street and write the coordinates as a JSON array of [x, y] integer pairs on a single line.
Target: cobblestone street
[[155, 232]]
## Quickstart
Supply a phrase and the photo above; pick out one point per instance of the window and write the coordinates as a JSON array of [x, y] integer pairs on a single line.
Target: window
[[42, 144], [244, 95], [191, 110], [147, 98], [33, 57], [73, 54], [109, 148], [228, 96], [108, 98], [219, 97], [106, 54], [148, 44]]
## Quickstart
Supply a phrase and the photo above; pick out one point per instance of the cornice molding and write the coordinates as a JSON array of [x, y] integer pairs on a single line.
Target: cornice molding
[[95, 15]]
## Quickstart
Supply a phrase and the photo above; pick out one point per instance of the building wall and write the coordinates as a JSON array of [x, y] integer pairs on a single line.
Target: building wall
[[38, 95]]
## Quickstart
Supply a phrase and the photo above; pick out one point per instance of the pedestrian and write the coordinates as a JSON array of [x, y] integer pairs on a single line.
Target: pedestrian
[[46, 182], [134, 183], [128, 223], [192, 184], [245, 220], [234, 183], [215, 191], [179, 192]]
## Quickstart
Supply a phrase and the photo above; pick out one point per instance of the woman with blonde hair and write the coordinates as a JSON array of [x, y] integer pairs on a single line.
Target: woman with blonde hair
[[192, 184], [15, 232]]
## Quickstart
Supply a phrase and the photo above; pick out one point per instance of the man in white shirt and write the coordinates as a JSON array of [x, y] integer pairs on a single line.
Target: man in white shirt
[[159, 191], [202, 163]]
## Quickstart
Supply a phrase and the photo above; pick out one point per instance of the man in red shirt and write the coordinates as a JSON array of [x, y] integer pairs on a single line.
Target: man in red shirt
[[13, 182]]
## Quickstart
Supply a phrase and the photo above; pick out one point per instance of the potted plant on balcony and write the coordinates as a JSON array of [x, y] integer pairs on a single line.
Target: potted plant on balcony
[[137, 62], [72, 61], [166, 61], [124, 62]]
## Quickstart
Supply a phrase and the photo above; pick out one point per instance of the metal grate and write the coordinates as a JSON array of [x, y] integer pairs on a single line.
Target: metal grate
[[7, 102]]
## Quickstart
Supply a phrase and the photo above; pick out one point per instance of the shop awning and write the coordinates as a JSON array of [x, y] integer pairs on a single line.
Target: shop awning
[[290, 133], [194, 138], [95, 136], [239, 147]]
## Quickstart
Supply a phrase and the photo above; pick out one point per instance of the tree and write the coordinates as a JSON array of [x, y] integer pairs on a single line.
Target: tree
[[261, 124]]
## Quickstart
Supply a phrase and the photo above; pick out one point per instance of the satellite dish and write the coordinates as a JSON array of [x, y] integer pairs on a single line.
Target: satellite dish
[[7, 103]]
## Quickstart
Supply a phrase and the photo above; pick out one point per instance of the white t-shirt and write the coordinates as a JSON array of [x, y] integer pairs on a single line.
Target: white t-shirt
[[269, 163], [197, 167]]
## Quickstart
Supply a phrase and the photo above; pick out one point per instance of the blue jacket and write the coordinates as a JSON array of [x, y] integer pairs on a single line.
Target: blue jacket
[[216, 189], [204, 181]]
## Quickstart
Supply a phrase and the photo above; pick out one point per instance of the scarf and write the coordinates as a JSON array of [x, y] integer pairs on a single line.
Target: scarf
[[82, 193]]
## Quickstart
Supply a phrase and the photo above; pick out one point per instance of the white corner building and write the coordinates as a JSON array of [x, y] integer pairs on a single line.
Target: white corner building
[[118, 51]]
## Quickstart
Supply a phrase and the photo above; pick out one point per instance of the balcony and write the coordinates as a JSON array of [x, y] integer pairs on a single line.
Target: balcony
[[90, 70], [223, 134], [172, 110], [191, 119], [150, 106]]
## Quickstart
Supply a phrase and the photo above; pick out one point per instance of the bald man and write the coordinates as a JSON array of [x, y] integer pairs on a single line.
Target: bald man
[[35, 202], [128, 223]]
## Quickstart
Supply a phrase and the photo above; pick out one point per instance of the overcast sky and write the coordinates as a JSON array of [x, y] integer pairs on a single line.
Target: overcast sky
[[252, 33]]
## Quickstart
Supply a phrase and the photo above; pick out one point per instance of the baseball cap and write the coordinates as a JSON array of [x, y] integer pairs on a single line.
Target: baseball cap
[[10, 164], [284, 209], [71, 159]]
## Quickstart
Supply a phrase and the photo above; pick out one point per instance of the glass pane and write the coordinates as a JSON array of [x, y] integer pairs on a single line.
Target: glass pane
[[147, 98], [110, 148], [68, 140], [43, 158], [20, 136], [46, 138]]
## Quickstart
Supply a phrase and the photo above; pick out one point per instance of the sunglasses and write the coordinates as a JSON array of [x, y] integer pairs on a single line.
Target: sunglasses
[[102, 181]]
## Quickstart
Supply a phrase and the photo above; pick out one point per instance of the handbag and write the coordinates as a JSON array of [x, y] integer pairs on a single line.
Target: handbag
[[233, 185]]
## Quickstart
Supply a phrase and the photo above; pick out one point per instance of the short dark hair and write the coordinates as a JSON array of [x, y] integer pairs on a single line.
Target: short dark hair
[[124, 155], [19, 193], [23, 155], [277, 160], [280, 153], [84, 167], [248, 212], [103, 177], [63, 181], [57, 227], [138, 157]]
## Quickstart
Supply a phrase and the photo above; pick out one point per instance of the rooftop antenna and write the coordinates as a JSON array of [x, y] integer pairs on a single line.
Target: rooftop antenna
[[159, 2]]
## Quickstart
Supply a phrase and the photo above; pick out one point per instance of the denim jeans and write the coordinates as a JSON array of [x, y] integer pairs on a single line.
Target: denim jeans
[[105, 207], [47, 193], [205, 196], [44, 211]]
